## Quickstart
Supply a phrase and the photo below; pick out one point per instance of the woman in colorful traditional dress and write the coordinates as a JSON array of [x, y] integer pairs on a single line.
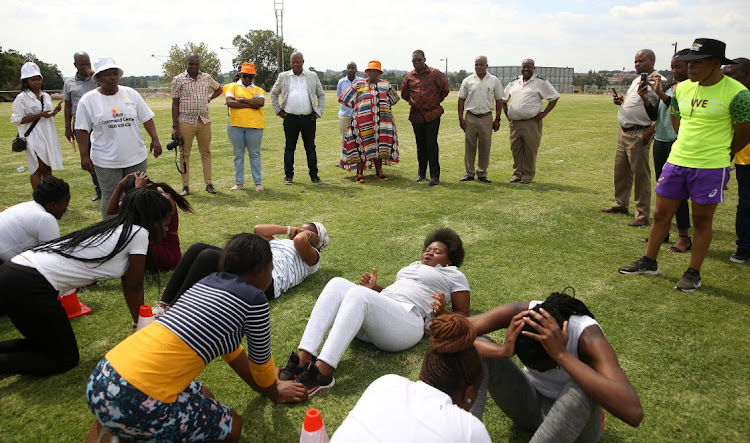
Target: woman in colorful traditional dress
[[371, 137]]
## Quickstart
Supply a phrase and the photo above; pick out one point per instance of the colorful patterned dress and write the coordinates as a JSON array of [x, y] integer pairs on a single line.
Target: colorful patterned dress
[[372, 131]]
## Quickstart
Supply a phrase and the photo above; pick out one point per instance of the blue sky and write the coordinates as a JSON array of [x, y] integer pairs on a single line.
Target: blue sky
[[581, 34]]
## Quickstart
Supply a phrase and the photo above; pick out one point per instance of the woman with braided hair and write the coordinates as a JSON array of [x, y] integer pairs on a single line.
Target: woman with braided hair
[[571, 371], [31, 281], [435, 408]]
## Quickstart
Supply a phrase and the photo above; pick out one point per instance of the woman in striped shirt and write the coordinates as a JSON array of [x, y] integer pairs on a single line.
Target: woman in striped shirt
[[144, 388]]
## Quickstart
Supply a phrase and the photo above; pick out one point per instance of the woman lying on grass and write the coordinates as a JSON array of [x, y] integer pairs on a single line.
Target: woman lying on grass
[[392, 318], [145, 388], [435, 408], [571, 371], [294, 259], [31, 281]]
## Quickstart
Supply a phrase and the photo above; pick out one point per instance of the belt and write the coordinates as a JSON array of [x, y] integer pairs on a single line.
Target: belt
[[634, 128], [299, 116], [480, 115]]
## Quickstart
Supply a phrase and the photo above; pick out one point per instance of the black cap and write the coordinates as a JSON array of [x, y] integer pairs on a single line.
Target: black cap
[[705, 48]]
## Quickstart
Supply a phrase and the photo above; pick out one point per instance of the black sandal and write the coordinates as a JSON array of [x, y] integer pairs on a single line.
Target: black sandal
[[678, 250]]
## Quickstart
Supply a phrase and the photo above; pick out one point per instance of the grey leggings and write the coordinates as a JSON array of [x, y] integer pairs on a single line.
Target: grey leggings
[[573, 416]]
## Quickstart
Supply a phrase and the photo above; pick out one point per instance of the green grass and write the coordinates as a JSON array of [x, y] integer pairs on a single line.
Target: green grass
[[686, 354]]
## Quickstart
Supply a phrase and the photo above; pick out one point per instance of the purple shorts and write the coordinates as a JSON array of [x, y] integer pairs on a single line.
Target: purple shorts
[[702, 186]]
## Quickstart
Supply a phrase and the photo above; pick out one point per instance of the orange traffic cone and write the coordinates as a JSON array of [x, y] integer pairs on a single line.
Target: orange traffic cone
[[72, 306], [313, 430]]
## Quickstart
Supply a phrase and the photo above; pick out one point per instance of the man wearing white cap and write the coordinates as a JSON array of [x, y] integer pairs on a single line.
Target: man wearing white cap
[[111, 116], [32, 110]]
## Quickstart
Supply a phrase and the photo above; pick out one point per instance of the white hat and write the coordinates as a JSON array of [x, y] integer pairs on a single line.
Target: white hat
[[30, 69], [105, 63]]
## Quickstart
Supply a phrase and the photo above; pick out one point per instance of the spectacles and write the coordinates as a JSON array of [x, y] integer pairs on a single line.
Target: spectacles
[[415, 60]]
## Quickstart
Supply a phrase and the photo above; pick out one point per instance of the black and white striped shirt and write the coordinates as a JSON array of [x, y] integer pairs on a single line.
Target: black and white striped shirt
[[213, 315]]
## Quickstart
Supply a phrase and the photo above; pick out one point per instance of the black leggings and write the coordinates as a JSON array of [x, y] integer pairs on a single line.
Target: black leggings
[[49, 345], [197, 262]]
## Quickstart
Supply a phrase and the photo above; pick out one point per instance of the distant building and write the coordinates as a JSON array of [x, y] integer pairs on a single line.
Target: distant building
[[618, 77], [561, 78]]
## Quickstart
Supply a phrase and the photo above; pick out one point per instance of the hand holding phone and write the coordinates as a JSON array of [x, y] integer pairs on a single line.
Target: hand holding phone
[[614, 92]]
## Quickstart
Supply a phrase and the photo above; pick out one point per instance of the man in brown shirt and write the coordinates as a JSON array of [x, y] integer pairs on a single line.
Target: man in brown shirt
[[425, 88]]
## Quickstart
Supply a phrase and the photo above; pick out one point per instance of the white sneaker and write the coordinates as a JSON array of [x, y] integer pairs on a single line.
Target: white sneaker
[[259, 188], [236, 188]]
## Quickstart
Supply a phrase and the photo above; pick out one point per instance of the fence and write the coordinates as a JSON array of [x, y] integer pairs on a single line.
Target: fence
[[561, 78]]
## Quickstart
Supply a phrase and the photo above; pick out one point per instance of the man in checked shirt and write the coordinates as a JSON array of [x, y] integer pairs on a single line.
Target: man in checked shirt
[[192, 90]]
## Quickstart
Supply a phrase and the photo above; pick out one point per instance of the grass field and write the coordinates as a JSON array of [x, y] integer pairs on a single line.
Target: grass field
[[686, 354]]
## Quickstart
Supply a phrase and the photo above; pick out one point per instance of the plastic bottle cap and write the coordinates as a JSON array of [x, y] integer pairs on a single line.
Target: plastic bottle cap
[[313, 420], [145, 311]]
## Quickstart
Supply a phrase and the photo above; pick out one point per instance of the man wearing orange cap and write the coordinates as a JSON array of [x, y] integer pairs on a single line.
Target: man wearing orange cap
[[299, 89], [191, 93]]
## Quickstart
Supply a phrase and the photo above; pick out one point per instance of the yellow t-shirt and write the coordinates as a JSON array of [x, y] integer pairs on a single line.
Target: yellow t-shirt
[[161, 365], [743, 157], [246, 117]]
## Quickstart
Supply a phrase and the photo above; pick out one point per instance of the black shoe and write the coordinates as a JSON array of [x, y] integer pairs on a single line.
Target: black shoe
[[287, 180], [643, 265], [185, 191], [434, 182], [690, 281], [467, 178], [484, 179], [313, 381], [210, 189], [292, 369], [741, 256], [420, 178], [316, 180]]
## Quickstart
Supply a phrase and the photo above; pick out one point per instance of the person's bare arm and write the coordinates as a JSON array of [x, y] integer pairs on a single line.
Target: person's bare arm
[[83, 150], [68, 114], [303, 245], [175, 118], [267, 232], [497, 318], [217, 92], [132, 283], [155, 146], [597, 372], [278, 392], [741, 137], [461, 121]]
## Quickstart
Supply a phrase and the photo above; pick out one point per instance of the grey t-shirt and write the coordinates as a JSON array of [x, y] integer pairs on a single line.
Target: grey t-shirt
[[74, 88], [416, 283]]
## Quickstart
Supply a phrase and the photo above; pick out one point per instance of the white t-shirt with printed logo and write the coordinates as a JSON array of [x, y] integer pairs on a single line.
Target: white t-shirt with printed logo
[[114, 122], [65, 273]]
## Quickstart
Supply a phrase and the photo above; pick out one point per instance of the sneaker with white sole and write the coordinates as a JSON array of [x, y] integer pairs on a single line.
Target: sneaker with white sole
[[690, 281], [292, 370], [313, 381], [643, 265], [741, 256], [236, 188], [160, 308]]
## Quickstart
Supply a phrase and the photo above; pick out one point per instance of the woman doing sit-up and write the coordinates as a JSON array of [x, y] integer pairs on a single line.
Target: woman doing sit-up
[[571, 371], [392, 318]]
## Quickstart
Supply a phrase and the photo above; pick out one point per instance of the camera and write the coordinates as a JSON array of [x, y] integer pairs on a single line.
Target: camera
[[177, 142]]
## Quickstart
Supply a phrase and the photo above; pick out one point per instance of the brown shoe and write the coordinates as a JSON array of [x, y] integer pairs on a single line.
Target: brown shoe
[[612, 210], [638, 223]]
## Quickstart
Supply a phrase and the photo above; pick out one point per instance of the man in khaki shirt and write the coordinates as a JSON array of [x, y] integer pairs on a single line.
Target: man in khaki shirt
[[523, 108], [477, 95]]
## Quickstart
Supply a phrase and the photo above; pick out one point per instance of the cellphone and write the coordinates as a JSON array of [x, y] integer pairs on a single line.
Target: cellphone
[[644, 78], [614, 92]]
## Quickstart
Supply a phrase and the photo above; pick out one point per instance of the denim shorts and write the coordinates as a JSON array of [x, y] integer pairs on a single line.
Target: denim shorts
[[127, 412]]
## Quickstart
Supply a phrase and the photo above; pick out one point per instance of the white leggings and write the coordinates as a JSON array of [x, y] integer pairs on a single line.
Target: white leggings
[[352, 311]]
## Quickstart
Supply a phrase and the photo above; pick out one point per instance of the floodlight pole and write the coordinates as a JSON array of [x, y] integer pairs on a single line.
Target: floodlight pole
[[675, 47], [158, 57], [227, 48], [278, 9]]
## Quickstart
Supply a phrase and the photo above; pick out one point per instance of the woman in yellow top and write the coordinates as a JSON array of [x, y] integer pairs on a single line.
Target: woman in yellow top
[[246, 123]]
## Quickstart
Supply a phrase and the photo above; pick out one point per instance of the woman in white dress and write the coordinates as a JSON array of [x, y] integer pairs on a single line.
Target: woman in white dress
[[43, 152]]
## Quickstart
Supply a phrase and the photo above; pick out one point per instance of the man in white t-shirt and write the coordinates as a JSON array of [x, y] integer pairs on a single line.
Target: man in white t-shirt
[[28, 224]]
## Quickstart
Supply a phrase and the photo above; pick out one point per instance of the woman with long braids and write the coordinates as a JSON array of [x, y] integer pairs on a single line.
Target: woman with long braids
[[167, 252], [571, 371], [431, 409], [31, 281]]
